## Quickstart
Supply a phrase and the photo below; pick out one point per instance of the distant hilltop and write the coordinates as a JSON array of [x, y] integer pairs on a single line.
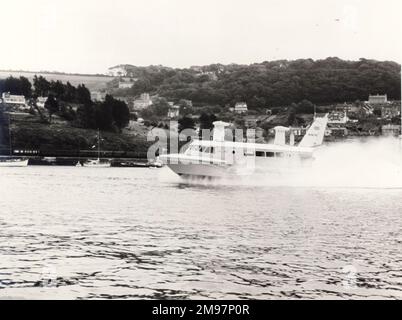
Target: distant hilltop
[[261, 85], [264, 85], [129, 70]]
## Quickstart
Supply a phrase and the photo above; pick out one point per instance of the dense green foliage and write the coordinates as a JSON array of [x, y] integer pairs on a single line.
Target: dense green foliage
[[62, 92], [206, 120], [272, 84], [107, 115], [111, 114], [19, 86], [186, 123], [156, 111]]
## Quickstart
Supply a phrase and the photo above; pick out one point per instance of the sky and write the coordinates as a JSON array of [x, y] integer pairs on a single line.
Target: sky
[[89, 36]]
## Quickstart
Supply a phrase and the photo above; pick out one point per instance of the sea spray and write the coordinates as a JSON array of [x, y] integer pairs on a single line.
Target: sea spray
[[364, 163]]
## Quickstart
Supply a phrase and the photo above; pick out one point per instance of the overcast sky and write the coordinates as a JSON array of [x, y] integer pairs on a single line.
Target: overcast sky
[[88, 36]]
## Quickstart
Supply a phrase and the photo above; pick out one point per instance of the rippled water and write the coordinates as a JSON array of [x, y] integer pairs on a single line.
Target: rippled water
[[141, 233]]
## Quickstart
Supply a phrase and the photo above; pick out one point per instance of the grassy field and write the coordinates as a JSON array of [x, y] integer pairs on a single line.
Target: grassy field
[[92, 82]]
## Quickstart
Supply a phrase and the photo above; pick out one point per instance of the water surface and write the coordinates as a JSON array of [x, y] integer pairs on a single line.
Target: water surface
[[142, 233]]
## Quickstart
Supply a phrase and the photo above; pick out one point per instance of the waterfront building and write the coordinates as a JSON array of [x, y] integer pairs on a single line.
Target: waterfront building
[[240, 107], [337, 132], [298, 131], [337, 117], [143, 102], [391, 130]]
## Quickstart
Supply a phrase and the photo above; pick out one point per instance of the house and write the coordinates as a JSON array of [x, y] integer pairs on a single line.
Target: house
[[97, 96], [40, 102], [337, 117], [13, 99], [251, 121], [117, 71], [375, 99], [390, 111], [174, 110], [337, 132], [298, 131], [240, 107], [367, 109], [143, 102], [391, 130], [125, 84]]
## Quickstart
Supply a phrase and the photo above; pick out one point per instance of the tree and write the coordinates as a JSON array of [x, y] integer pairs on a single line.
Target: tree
[[17, 86], [120, 111], [25, 87], [104, 116], [52, 106], [186, 123], [141, 86], [70, 92], [57, 89], [86, 117], [41, 86], [305, 106], [292, 114], [275, 83], [185, 107], [67, 113], [82, 94], [160, 107], [206, 120]]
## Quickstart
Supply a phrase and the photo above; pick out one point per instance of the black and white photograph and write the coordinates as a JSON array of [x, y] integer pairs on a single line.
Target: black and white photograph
[[183, 150]]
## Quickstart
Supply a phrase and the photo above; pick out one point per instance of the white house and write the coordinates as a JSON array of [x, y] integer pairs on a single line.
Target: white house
[[117, 71], [125, 84], [374, 99], [13, 99], [143, 102], [40, 102], [240, 107], [174, 110], [337, 117]]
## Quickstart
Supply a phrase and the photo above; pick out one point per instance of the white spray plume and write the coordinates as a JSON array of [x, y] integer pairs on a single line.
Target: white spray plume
[[369, 163]]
